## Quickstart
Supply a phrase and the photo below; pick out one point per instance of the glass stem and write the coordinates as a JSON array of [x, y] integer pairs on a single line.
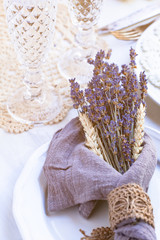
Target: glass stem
[[86, 38], [34, 83]]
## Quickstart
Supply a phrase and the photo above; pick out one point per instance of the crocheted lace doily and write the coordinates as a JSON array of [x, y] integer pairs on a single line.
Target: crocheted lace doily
[[11, 72]]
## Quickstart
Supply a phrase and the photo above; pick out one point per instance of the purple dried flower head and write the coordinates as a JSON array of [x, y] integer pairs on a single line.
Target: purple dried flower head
[[90, 61], [132, 58], [143, 84], [130, 84], [106, 119], [120, 106], [120, 122], [133, 113], [112, 128], [134, 82], [84, 109], [89, 95], [95, 82], [100, 55], [126, 149], [127, 123], [76, 94], [125, 69], [115, 101], [125, 79], [108, 55], [121, 164], [98, 63]]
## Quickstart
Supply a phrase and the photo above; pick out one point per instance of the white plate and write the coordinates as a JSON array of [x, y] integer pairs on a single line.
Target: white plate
[[148, 59], [29, 206]]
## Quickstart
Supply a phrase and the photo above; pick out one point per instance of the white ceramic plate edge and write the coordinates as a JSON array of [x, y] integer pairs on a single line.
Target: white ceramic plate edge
[[18, 186]]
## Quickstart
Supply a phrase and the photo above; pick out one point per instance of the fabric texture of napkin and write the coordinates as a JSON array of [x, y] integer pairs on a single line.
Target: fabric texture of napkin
[[75, 175]]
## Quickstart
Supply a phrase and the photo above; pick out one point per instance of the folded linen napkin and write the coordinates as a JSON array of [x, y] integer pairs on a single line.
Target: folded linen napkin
[[75, 175]]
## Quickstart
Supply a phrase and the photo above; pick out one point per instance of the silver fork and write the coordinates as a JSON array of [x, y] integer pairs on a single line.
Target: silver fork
[[132, 32]]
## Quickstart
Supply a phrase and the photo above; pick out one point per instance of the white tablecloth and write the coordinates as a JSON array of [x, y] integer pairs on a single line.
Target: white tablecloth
[[15, 150]]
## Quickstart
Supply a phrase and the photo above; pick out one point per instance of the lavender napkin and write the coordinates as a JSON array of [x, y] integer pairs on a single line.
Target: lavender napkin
[[75, 175]]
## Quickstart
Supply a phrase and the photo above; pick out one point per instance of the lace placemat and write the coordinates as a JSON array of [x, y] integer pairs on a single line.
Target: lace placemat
[[11, 72]]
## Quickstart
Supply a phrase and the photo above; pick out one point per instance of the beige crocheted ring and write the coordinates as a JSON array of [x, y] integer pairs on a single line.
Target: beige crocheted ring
[[129, 201]]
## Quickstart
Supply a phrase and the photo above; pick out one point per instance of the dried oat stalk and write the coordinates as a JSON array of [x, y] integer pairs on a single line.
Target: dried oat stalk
[[93, 141], [138, 132]]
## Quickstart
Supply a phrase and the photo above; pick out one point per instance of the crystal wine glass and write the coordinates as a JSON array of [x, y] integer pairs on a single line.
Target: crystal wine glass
[[84, 14], [31, 27]]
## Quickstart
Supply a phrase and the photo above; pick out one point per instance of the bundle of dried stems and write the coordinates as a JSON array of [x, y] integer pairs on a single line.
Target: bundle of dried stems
[[111, 110]]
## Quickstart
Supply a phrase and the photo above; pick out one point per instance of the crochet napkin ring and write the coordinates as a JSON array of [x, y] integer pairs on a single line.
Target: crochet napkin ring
[[129, 201]]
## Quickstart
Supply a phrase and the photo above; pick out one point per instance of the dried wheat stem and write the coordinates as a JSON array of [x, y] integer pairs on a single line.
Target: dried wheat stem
[[138, 132], [93, 140]]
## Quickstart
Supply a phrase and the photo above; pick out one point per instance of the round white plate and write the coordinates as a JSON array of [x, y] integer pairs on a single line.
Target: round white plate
[[148, 59], [29, 205]]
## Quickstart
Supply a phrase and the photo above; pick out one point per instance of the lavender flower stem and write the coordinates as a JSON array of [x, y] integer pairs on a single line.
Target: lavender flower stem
[[106, 147], [105, 155], [115, 157]]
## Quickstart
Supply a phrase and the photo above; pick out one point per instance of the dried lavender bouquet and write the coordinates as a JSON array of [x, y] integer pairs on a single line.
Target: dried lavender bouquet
[[112, 110]]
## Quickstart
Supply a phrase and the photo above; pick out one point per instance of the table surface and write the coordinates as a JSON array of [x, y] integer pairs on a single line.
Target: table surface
[[16, 149]]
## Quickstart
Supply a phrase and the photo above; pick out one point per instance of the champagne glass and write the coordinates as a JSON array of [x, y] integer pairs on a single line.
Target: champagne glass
[[31, 27], [84, 14]]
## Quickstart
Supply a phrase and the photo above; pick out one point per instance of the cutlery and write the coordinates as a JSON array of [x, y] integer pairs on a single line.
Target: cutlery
[[134, 31], [145, 14]]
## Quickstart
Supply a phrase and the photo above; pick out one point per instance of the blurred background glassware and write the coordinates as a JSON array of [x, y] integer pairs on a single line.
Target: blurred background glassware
[[84, 15], [31, 26]]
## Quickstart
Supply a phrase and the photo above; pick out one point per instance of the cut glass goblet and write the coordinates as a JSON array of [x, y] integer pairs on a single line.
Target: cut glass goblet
[[84, 15], [31, 27]]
